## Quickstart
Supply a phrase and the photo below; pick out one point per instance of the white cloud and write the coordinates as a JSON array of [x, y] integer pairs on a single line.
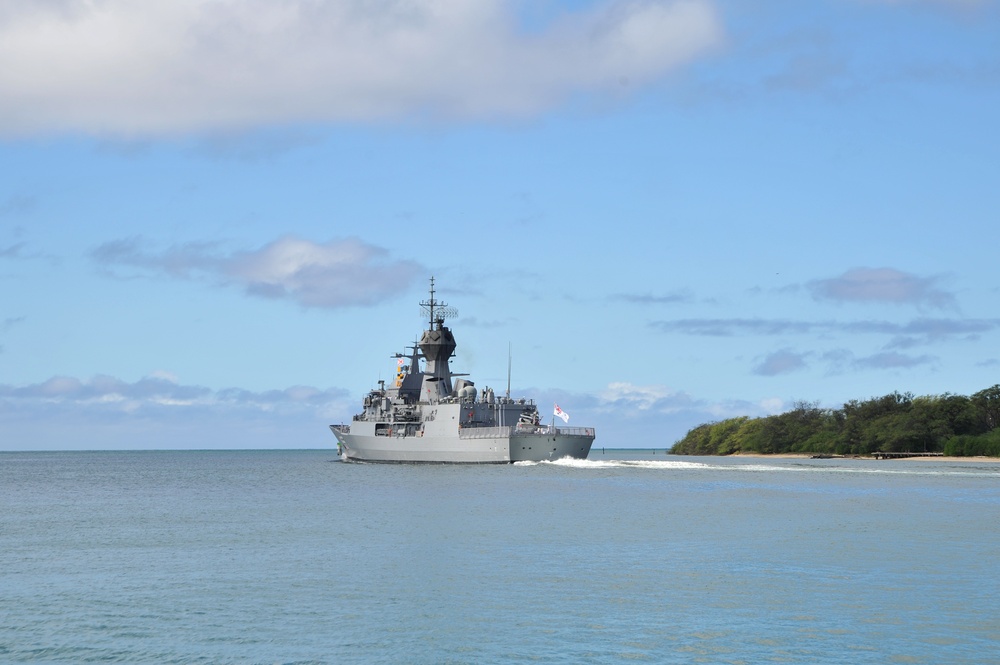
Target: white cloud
[[337, 273], [772, 406], [320, 275], [644, 398], [131, 67]]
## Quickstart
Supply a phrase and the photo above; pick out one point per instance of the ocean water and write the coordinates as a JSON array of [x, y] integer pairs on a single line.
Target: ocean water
[[296, 557]]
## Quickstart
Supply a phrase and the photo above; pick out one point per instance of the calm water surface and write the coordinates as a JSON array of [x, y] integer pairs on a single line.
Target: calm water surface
[[295, 557]]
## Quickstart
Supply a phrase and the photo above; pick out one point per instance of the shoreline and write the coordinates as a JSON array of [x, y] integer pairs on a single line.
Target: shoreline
[[861, 457]]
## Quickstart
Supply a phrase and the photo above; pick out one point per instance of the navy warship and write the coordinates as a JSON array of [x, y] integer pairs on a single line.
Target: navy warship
[[433, 415]]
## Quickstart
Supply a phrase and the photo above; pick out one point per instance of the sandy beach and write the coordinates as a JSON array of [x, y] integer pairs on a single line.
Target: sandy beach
[[947, 459]]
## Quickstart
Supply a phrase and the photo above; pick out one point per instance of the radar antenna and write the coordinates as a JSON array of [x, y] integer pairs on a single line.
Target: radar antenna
[[435, 310]]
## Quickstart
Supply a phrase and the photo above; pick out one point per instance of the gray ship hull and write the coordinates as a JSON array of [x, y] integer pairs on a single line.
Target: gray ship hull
[[487, 445]]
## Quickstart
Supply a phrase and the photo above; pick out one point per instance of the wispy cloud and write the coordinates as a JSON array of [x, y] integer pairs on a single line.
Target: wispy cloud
[[807, 72], [671, 298], [802, 54], [154, 393], [837, 361], [882, 286], [892, 360], [18, 204], [182, 261], [7, 324], [956, 4], [10, 322], [738, 326], [917, 331], [783, 361], [133, 68], [337, 273], [106, 390], [21, 250], [257, 146], [841, 360], [157, 411], [12, 251], [930, 329]]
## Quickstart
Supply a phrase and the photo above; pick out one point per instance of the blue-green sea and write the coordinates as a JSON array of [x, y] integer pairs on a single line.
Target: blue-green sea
[[630, 556]]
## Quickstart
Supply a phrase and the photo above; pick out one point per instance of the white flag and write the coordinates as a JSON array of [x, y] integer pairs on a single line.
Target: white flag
[[562, 414]]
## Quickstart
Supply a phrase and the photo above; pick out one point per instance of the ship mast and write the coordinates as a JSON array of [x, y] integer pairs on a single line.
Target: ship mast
[[436, 311], [429, 306], [508, 369], [437, 345]]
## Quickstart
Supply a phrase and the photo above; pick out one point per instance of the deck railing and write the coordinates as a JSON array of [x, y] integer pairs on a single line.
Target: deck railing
[[575, 431], [490, 432], [483, 432]]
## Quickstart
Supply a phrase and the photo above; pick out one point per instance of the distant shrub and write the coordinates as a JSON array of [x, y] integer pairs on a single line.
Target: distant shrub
[[972, 445], [897, 422]]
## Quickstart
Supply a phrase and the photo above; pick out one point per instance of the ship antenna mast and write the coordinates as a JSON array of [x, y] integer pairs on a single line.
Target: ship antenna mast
[[508, 369], [435, 310], [431, 303]]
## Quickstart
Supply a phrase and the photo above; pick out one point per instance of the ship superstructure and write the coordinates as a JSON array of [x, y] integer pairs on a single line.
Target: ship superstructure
[[434, 415]]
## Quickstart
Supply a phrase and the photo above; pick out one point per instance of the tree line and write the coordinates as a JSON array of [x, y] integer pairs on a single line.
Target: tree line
[[897, 422]]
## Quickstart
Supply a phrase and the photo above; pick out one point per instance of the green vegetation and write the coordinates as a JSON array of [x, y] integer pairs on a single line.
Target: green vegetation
[[949, 424]]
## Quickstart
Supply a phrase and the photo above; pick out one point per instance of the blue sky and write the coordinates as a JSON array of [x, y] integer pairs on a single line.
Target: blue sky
[[217, 217]]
